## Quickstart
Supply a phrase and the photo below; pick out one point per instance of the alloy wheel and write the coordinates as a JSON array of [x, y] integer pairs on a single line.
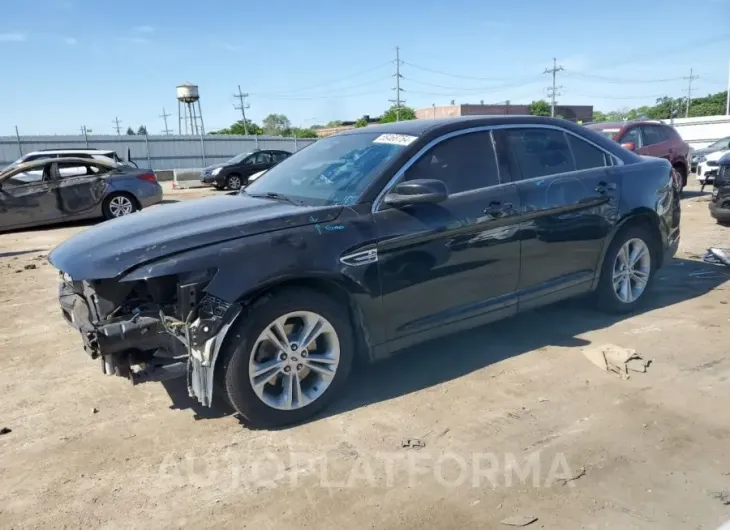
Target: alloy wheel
[[120, 205], [631, 270], [294, 360], [234, 182]]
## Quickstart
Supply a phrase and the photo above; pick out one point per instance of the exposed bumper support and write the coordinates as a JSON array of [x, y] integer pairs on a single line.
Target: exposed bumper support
[[206, 339]]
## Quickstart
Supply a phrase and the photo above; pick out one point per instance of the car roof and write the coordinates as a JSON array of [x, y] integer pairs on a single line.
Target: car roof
[[59, 151], [420, 127], [622, 124], [25, 166]]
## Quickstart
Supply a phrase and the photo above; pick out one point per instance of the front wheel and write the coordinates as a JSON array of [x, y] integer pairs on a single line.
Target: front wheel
[[118, 205], [628, 270], [234, 182], [288, 358]]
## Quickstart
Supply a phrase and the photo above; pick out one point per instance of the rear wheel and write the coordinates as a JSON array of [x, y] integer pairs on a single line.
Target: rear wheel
[[288, 358], [628, 270], [118, 205], [234, 182]]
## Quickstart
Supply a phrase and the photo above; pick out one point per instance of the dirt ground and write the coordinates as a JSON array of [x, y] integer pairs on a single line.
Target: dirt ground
[[514, 419]]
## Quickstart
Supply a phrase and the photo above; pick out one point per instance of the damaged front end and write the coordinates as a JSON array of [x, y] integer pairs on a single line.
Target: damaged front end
[[153, 329]]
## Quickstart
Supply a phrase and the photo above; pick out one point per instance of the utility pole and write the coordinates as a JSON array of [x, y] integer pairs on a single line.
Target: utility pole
[[553, 91], [727, 97], [689, 90], [398, 101], [85, 132], [164, 116], [242, 107], [117, 126]]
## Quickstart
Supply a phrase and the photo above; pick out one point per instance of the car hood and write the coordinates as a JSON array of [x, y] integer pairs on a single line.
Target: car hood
[[716, 155], [706, 151], [214, 166], [114, 247]]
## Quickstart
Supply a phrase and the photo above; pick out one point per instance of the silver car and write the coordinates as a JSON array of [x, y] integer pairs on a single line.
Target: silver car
[[64, 189]]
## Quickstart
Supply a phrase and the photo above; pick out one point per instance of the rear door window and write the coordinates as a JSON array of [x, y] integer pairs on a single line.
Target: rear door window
[[586, 155], [532, 152]]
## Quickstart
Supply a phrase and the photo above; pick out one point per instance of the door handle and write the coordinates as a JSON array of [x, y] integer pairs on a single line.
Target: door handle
[[605, 187], [497, 209]]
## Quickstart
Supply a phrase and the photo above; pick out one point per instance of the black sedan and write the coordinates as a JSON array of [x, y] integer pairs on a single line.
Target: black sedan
[[47, 191], [362, 244], [234, 173]]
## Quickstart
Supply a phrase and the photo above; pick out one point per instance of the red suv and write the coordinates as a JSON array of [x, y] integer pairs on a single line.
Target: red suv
[[650, 138]]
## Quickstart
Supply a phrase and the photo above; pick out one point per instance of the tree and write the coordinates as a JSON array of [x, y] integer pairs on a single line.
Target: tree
[[275, 124], [540, 108], [130, 131], [396, 113], [599, 116], [238, 128], [362, 122], [142, 130], [299, 132]]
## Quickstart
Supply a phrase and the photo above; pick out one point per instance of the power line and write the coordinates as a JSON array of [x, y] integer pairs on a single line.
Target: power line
[[327, 83], [473, 89], [164, 116], [552, 91], [329, 96], [242, 107], [441, 72], [617, 80], [398, 101], [689, 90], [117, 126]]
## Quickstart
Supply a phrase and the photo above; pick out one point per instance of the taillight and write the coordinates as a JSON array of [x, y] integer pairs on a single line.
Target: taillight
[[149, 177]]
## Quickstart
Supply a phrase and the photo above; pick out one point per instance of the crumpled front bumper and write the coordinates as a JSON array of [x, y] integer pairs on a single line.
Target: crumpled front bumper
[[185, 348], [142, 332]]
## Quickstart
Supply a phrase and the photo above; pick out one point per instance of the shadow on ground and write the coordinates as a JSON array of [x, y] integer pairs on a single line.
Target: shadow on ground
[[457, 355], [693, 194], [21, 252]]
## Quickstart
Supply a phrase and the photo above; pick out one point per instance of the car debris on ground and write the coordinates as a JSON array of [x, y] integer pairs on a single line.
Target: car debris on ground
[[575, 476], [519, 520], [617, 359], [413, 443], [717, 256], [5, 430]]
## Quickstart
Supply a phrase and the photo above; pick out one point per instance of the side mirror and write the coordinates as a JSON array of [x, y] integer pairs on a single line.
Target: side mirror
[[421, 191], [629, 145]]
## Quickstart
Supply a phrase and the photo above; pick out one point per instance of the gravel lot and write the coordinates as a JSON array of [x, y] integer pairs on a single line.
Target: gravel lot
[[508, 414]]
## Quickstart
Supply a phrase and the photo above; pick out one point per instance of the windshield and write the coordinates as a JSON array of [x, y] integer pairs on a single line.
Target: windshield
[[721, 143], [238, 158], [610, 133], [334, 170]]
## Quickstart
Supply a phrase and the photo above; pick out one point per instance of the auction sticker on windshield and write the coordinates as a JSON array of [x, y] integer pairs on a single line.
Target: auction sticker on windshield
[[396, 139]]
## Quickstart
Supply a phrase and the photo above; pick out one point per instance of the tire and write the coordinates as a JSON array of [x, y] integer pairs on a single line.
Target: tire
[[246, 345], [234, 182], [607, 296], [682, 177], [119, 205]]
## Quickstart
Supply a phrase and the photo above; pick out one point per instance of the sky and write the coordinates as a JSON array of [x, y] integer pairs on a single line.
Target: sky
[[69, 63]]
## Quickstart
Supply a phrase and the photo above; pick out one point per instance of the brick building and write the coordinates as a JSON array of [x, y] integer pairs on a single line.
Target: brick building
[[569, 112]]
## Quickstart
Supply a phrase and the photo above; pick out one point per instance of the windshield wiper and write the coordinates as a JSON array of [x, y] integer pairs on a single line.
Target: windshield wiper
[[274, 195]]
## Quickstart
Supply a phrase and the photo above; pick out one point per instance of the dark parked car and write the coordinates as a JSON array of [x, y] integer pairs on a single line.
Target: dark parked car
[[234, 174], [698, 155], [64, 189], [720, 202], [362, 244], [650, 138]]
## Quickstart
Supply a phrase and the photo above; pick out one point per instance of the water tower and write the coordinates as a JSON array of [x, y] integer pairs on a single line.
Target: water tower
[[187, 97]]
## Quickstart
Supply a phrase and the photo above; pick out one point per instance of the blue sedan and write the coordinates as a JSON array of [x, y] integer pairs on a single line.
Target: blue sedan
[[65, 189]]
